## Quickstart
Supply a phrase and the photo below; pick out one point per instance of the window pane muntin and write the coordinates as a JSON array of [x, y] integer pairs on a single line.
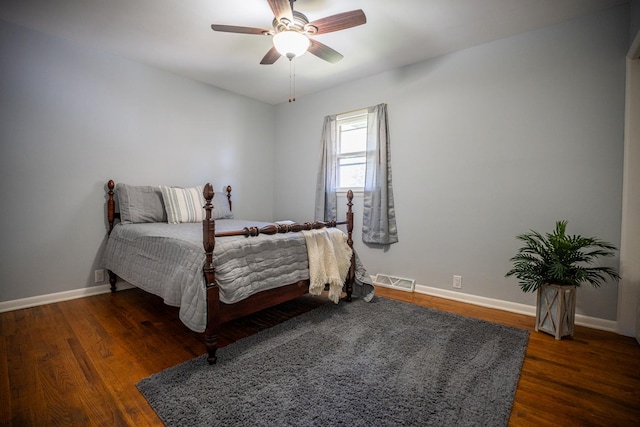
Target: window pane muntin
[[352, 160]]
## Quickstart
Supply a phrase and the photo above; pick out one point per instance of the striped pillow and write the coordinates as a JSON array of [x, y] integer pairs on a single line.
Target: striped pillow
[[183, 204]]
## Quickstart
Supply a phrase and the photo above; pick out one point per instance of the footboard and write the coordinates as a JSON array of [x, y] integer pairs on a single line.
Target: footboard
[[217, 312]]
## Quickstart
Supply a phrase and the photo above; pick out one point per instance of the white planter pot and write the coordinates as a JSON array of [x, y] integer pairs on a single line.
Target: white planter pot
[[556, 310]]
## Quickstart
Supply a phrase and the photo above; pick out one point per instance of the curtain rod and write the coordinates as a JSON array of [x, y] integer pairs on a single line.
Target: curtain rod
[[352, 113]]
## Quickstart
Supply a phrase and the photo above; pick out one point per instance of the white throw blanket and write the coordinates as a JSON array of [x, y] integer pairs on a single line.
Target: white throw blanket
[[329, 260]]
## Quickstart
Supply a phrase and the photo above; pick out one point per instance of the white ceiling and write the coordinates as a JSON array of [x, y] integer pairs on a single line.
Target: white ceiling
[[176, 35]]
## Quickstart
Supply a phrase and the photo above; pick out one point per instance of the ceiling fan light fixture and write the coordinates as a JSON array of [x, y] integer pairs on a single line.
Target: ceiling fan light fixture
[[291, 43]]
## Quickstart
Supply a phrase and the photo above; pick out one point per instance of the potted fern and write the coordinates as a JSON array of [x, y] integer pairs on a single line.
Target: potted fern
[[554, 265]]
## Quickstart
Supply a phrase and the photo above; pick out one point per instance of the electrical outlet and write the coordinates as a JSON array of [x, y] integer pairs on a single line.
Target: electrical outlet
[[457, 282], [99, 276]]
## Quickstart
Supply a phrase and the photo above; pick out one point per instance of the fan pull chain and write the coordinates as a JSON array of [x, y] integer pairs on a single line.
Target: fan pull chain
[[292, 80], [292, 77]]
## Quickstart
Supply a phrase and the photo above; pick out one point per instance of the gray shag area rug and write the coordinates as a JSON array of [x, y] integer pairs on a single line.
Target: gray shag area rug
[[384, 363]]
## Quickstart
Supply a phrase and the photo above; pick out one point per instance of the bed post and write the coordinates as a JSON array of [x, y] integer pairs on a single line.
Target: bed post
[[352, 268], [213, 296], [111, 216], [229, 197], [111, 205]]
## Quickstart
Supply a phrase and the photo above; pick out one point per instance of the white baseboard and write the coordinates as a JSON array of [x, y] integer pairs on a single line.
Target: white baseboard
[[529, 310], [60, 296]]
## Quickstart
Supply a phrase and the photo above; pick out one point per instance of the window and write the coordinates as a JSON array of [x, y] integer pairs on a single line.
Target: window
[[356, 154], [352, 150]]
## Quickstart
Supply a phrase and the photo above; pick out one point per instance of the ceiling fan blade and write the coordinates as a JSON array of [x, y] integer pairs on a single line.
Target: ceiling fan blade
[[323, 51], [237, 29], [271, 57], [338, 22], [281, 9]]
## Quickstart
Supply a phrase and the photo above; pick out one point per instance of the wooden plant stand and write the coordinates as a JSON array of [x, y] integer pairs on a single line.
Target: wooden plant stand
[[556, 310]]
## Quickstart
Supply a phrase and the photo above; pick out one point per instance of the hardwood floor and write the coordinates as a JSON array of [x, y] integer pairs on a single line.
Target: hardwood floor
[[77, 362]]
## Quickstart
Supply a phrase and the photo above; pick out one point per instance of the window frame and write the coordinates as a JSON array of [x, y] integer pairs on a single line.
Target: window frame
[[345, 119]]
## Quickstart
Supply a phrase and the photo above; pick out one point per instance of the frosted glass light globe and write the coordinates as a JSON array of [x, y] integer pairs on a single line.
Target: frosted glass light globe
[[291, 43]]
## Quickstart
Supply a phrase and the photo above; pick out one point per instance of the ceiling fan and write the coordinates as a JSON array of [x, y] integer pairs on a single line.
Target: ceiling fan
[[291, 31]]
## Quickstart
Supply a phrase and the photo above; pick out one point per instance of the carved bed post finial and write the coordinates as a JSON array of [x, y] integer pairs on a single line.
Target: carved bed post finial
[[209, 234], [213, 295], [229, 197], [111, 206]]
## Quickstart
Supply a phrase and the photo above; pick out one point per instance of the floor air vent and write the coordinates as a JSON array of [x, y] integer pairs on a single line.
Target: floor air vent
[[394, 282]]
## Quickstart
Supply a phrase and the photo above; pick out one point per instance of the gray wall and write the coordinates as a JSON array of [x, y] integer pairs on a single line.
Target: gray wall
[[72, 118], [487, 143]]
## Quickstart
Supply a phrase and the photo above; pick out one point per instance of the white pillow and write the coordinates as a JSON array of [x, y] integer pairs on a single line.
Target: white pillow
[[183, 204]]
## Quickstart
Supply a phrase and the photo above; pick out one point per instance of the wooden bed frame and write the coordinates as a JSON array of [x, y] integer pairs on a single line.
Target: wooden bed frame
[[218, 312]]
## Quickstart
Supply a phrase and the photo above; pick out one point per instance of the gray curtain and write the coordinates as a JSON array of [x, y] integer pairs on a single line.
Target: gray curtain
[[379, 216], [326, 196]]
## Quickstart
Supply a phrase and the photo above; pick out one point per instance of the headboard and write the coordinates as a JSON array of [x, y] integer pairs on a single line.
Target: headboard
[[150, 198]]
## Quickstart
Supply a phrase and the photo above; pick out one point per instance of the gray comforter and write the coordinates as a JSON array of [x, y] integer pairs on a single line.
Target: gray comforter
[[167, 260]]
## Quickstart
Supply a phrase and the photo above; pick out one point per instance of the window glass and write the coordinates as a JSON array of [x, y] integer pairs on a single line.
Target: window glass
[[353, 139], [352, 146], [351, 173]]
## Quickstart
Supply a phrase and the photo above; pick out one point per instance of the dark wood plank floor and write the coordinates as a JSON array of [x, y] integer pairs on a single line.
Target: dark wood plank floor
[[77, 362]]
